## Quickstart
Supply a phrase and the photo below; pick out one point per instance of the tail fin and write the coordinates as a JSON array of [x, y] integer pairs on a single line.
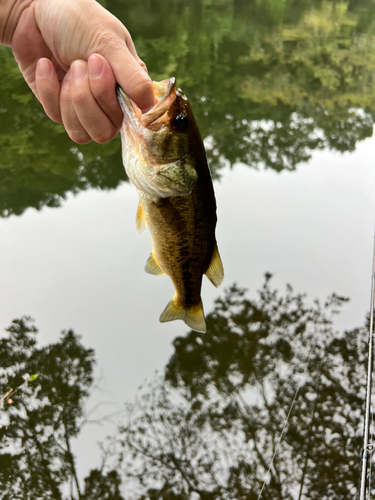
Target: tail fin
[[193, 317]]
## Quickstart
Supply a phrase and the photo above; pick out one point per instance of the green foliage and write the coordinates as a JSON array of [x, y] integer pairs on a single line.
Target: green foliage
[[39, 164], [269, 83]]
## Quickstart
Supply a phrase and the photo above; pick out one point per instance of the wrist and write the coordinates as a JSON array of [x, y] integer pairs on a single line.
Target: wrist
[[10, 13]]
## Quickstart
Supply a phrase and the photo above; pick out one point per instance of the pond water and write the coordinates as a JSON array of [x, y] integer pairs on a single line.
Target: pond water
[[284, 96]]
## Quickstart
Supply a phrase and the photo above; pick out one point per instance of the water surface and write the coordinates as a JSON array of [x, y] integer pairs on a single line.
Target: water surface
[[283, 93]]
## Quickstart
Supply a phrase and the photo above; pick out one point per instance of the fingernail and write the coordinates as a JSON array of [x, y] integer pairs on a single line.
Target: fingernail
[[67, 76], [78, 69], [43, 68], [95, 67]]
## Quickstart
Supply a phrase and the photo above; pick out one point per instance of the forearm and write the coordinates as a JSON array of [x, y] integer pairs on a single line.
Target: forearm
[[10, 12]]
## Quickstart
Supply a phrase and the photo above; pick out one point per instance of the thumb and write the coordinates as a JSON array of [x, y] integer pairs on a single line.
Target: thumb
[[131, 74]]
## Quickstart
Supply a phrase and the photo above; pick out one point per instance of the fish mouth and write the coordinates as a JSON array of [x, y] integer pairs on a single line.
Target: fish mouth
[[164, 95], [129, 108]]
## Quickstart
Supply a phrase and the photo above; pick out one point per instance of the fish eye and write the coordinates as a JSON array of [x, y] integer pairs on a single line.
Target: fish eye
[[180, 122]]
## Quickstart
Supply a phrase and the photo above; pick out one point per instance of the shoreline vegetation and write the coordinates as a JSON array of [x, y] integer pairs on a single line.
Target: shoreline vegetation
[[269, 84]]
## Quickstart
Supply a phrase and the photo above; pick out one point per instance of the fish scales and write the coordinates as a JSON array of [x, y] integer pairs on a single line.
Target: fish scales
[[164, 157], [183, 240]]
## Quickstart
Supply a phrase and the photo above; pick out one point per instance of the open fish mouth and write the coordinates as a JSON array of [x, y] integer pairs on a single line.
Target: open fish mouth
[[157, 163], [164, 95]]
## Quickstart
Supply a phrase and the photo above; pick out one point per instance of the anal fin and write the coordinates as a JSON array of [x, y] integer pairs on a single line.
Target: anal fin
[[215, 271], [152, 267], [193, 317]]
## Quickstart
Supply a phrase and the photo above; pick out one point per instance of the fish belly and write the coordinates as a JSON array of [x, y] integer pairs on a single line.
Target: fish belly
[[180, 243]]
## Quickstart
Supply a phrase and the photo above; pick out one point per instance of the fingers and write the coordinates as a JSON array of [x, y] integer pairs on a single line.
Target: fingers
[[48, 88], [103, 88], [70, 119], [131, 74], [140, 90], [88, 102], [85, 102]]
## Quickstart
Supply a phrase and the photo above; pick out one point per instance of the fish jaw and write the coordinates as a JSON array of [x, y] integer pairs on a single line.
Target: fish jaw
[[165, 93], [141, 136], [132, 113]]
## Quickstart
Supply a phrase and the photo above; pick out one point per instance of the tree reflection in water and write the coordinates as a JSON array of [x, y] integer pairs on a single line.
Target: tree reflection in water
[[212, 425], [209, 427], [40, 421], [269, 83]]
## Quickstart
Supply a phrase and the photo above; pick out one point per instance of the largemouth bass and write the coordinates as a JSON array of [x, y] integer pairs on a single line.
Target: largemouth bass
[[164, 157]]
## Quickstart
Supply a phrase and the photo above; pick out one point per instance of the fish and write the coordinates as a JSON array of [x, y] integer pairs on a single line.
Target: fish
[[164, 158]]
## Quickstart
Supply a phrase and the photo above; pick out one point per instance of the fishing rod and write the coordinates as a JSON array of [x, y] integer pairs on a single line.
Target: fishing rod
[[367, 447]]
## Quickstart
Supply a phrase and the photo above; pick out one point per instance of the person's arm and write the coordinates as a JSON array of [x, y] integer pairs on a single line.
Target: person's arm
[[71, 53]]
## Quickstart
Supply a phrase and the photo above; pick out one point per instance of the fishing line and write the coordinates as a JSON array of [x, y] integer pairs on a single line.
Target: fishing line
[[307, 364], [307, 360], [372, 440], [367, 448], [315, 341]]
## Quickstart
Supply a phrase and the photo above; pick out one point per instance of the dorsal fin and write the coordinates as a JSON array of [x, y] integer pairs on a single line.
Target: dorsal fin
[[215, 271], [140, 219], [152, 267]]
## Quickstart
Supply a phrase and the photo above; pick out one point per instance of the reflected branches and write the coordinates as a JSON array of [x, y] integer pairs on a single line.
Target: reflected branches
[[40, 421], [212, 425], [268, 367]]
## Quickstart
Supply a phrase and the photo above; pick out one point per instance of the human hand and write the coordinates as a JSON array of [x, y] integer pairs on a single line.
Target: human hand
[[71, 53]]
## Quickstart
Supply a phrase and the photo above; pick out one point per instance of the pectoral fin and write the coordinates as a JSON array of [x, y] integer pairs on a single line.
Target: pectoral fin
[[215, 271], [140, 219], [193, 317], [152, 267]]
